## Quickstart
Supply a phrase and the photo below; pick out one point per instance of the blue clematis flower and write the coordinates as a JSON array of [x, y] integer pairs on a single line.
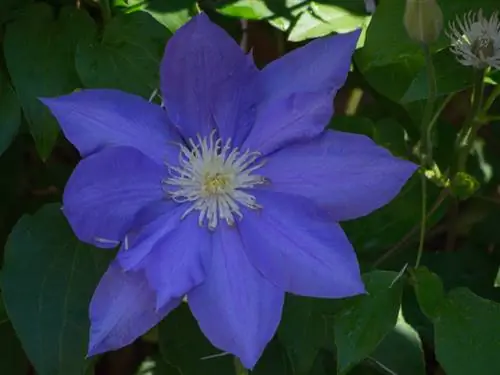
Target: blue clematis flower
[[231, 195]]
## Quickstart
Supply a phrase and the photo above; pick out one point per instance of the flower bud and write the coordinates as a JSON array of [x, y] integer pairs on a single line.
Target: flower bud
[[423, 20]]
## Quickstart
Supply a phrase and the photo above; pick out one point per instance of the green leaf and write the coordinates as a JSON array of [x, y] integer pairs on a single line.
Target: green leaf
[[322, 19], [184, 346], [394, 65], [401, 350], [365, 320], [10, 120], [472, 267], [248, 9], [429, 291], [391, 80], [48, 279], [12, 358], [386, 45], [301, 19], [305, 328], [451, 76], [171, 14], [37, 36], [466, 334], [126, 57]]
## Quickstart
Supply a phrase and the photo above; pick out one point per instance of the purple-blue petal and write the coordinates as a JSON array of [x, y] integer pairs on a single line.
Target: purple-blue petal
[[282, 121], [122, 309], [149, 226], [105, 192], [237, 309], [180, 261], [298, 247], [321, 65], [205, 78], [346, 174], [95, 119], [174, 254]]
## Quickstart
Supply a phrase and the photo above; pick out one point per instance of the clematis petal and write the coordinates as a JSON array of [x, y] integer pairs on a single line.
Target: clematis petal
[[105, 192], [122, 309], [180, 261], [282, 121], [347, 174], [94, 119], [237, 309], [149, 226], [321, 65], [299, 248], [175, 254], [204, 80]]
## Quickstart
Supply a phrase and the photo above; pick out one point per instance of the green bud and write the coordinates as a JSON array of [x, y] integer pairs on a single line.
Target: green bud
[[423, 20], [464, 185]]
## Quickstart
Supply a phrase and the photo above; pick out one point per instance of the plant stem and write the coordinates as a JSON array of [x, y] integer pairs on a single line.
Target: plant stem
[[471, 125], [426, 144], [441, 108], [491, 99], [423, 225], [427, 118], [465, 141], [441, 198], [105, 10]]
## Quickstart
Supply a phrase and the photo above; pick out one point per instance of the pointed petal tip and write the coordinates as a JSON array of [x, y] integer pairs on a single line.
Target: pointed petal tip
[[249, 362], [197, 22], [94, 350], [350, 38], [97, 348], [49, 102], [408, 168]]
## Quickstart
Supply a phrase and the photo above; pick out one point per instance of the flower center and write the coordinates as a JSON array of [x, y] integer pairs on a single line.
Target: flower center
[[213, 176], [216, 183], [483, 47]]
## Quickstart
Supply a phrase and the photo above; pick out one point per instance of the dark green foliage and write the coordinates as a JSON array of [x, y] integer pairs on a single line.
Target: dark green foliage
[[440, 316]]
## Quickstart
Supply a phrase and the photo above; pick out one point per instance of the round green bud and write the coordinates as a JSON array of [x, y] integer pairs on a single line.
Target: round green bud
[[423, 20]]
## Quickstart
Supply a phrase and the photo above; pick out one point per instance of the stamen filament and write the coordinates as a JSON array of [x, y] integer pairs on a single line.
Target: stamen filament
[[211, 174]]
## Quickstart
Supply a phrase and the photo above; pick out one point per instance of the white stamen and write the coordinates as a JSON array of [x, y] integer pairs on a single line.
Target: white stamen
[[215, 356], [476, 40], [211, 174], [106, 241]]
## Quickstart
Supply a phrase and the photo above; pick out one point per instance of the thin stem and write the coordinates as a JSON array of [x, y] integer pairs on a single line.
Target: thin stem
[[491, 99], [423, 180], [464, 144], [244, 35], [427, 118], [471, 125], [105, 10], [426, 145], [440, 199], [441, 109]]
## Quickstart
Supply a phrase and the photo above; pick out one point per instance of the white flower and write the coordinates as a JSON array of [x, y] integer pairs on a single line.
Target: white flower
[[476, 40]]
